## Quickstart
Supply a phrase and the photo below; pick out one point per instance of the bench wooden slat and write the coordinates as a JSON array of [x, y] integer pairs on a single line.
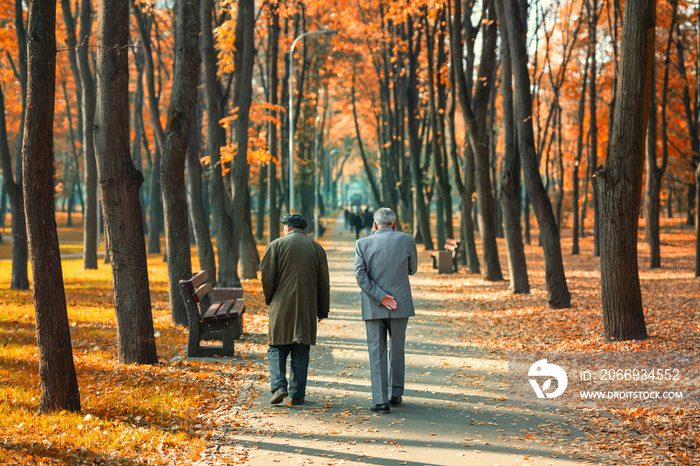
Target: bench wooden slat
[[211, 312], [201, 292], [222, 294], [222, 313], [197, 280], [238, 308]]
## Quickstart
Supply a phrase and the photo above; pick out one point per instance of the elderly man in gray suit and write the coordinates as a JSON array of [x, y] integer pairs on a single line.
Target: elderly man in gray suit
[[383, 262]]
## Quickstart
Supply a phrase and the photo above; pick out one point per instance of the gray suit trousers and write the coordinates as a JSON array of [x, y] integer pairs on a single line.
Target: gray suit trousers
[[386, 376]]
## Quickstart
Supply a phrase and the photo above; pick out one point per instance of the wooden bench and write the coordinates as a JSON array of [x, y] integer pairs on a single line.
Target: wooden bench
[[212, 314], [446, 260]]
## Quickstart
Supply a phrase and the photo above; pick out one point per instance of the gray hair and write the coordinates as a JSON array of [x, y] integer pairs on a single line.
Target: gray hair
[[384, 217]]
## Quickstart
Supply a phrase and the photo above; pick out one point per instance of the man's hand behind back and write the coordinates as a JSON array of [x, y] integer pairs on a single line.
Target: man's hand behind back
[[389, 302]]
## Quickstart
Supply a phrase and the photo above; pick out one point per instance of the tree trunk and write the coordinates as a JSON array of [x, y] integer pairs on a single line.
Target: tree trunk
[[223, 224], [697, 221], [463, 85], [437, 98], [557, 290], [20, 254], [120, 182], [593, 154], [510, 171], [59, 383], [652, 194], [245, 62], [415, 141], [155, 203], [619, 182], [577, 162], [172, 173], [482, 166], [195, 200], [20, 276], [273, 219], [138, 123], [249, 264], [365, 163], [90, 227]]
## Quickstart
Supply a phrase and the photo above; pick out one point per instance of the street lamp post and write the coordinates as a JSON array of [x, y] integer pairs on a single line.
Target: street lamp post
[[291, 110]]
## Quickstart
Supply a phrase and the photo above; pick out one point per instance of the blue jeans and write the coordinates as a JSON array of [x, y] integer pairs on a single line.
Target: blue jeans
[[277, 358]]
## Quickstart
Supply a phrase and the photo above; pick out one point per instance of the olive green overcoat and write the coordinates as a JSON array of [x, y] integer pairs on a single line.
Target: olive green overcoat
[[295, 281]]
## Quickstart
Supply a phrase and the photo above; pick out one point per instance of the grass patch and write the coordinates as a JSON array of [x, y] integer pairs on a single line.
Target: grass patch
[[131, 414]]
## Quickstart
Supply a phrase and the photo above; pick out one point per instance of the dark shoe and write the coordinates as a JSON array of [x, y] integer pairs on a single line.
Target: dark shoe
[[278, 395], [297, 401], [381, 409], [395, 401]]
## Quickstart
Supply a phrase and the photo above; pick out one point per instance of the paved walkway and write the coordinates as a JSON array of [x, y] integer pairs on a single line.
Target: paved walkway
[[455, 410]]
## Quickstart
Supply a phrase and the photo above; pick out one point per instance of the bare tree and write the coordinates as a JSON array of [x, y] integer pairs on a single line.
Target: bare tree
[[59, 383]]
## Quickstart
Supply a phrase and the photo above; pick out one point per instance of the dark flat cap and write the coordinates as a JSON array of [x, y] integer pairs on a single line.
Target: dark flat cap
[[294, 220]]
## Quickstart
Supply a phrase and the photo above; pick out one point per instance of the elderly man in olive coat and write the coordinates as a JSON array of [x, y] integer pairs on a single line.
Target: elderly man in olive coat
[[294, 275]]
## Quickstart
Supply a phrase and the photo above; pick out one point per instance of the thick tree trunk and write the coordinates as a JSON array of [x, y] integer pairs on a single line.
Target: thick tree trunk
[[222, 222], [120, 182], [59, 383], [510, 171], [619, 182], [172, 173], [245, 62], [558, 295]]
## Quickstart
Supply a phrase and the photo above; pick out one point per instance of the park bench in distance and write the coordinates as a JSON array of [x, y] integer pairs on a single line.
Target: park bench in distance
[[446, 260], [212, 314]]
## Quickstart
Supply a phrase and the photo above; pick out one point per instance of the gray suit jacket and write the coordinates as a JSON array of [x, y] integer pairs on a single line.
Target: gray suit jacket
[[383, 263]]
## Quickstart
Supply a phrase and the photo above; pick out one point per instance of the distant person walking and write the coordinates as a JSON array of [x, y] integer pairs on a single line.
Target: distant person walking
[[368, 220], [383, 262], [295, 281], [356, 220]]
